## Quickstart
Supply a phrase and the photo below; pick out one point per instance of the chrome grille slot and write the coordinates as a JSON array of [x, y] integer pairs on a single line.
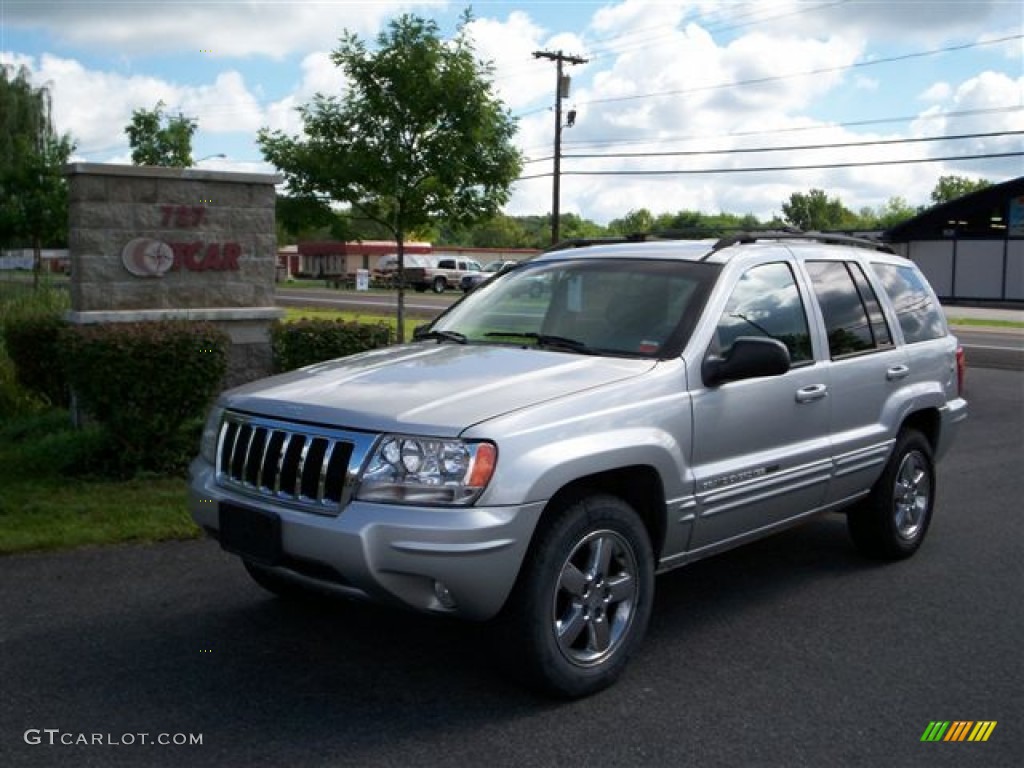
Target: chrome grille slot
[[293, 463]]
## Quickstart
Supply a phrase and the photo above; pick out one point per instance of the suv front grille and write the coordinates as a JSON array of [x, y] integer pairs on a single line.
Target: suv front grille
[[287, 462]]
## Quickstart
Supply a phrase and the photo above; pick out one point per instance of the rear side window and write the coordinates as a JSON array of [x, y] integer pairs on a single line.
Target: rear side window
[[919, 313], [853, 318]]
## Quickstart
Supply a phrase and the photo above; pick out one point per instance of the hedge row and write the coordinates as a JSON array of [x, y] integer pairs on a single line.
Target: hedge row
[[305, 342], [147, 385]]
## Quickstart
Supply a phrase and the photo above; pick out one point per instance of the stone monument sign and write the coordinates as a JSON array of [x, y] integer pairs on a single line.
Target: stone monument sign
[[168, 243]]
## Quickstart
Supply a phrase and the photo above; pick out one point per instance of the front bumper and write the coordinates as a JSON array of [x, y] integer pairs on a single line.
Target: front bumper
[[389, 553]]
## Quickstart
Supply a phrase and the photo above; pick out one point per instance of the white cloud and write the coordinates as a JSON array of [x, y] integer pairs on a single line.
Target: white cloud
[[918, 20], [95, 106], [225, 28], [937, 92]]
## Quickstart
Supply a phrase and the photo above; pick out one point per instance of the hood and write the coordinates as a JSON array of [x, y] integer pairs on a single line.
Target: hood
[[427, 388]]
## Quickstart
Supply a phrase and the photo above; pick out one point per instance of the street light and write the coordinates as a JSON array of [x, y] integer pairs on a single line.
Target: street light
[[210, 157]]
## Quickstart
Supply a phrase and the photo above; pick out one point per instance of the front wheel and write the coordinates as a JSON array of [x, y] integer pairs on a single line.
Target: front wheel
[[892, 522], [583, 600]]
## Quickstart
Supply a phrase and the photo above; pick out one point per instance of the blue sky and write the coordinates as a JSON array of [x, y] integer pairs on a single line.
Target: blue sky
[[661, 77]]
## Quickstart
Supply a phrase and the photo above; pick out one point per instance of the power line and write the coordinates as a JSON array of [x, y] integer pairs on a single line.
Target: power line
[[805, 128], [760, 169], [711, 30], [821, 71], [798, 147], [749, 150]]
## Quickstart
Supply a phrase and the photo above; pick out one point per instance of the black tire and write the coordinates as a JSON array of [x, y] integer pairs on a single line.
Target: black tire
[[892, 522], [277, 585], [583, 599], [439, 284]]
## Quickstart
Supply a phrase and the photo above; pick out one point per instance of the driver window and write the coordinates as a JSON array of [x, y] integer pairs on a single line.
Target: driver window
[[766, 302]]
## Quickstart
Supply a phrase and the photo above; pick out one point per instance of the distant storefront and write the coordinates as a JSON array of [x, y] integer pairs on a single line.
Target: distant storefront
[[329, 259], [24, 259], [971, 248]]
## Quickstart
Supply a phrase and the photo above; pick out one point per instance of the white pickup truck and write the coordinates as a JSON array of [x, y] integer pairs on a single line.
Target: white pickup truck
[[447, 273]]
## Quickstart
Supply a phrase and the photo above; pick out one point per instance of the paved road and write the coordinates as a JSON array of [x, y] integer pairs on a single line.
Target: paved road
[[992, 347], [788, 652], [426, 305]]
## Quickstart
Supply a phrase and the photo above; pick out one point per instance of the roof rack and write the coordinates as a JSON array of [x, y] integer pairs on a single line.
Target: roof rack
[[744, 238], [583, 242]]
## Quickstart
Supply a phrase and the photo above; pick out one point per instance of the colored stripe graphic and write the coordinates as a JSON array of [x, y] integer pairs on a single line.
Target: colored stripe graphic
[[958, 730], [982, 730]]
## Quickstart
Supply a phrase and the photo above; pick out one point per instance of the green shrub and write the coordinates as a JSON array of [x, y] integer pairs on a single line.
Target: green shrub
[[33, 345], [305, 342], [14, 399], [147, 385], [30, 373]]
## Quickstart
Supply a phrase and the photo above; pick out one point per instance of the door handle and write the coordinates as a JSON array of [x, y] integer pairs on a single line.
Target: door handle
[[811, 393], [897, 372]]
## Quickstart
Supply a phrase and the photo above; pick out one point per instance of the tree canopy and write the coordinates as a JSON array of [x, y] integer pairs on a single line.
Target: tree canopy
[[160, 140], [418, 136], [33, 190], [816, 211], [951, 187]]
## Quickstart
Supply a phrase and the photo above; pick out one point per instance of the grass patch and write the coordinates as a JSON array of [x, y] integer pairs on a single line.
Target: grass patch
[[983, 322], [52, 513], [45, 504]]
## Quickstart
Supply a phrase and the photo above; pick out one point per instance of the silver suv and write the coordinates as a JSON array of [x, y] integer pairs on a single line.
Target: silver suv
[[536, 457]]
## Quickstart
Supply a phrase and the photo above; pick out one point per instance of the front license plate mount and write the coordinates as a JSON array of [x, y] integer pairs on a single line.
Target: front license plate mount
[[253, 534]]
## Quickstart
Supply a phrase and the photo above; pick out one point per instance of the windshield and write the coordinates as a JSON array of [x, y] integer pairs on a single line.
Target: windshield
[[629, 307]]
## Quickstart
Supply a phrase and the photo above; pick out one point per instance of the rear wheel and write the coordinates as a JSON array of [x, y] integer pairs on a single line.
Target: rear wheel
[[583, 600], [892, 522], [440, 284]]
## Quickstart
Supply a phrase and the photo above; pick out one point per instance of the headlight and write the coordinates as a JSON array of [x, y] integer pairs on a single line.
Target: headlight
[[417, 470], [211, 430]]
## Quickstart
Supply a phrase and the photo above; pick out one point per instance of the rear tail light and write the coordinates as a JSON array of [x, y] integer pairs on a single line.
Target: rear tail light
[[961, 371]]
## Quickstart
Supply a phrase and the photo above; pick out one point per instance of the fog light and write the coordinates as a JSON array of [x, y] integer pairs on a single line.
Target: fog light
[[443, 595]]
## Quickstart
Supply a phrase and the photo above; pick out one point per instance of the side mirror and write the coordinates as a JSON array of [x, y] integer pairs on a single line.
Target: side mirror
[[419, 331], [750, 357]]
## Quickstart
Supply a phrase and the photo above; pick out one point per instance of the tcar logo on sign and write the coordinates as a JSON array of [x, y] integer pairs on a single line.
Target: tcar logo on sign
[[958, 730], [145, 257]]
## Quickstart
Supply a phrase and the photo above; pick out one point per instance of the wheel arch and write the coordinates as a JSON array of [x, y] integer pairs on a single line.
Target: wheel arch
[[928, 422], [638, 485]]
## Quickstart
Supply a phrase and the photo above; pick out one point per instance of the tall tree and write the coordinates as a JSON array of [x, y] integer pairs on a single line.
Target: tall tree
[[160, 140], [417, 136], [951, 187], [33, 190], [816, 211], [895, 211], [637, 220]]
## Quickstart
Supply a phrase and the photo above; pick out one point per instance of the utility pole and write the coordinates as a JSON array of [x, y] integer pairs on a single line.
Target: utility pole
[[561, 92]]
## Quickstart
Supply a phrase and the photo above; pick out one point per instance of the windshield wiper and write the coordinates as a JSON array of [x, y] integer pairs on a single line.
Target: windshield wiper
[[458, 338], [547, 340]]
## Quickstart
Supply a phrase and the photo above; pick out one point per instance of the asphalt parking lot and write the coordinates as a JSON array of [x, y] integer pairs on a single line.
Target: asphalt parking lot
[[789, 652]]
